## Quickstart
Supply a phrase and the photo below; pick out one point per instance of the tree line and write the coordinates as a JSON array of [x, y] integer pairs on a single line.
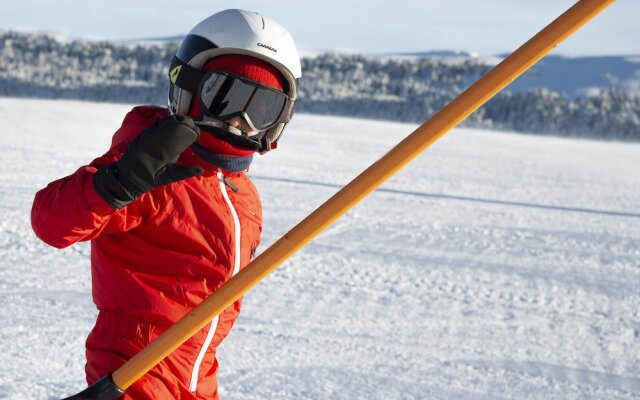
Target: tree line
[[354, 85]]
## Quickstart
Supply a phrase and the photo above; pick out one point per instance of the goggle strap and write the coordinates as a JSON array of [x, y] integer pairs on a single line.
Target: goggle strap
[[185, 76]]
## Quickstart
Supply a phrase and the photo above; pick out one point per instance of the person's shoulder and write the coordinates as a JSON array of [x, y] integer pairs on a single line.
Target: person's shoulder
[[137, 120]]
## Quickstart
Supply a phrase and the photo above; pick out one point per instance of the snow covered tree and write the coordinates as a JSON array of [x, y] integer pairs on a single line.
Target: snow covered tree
[[408, 89]]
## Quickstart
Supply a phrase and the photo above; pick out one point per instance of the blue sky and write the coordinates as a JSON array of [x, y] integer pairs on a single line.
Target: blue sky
[[483, 26]]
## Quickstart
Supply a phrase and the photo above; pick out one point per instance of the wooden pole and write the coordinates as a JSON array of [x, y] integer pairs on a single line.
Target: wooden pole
[[456, 111]]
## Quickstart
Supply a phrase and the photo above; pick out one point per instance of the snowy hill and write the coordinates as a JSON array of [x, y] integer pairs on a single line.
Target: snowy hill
[[495, 266], [587, 97]]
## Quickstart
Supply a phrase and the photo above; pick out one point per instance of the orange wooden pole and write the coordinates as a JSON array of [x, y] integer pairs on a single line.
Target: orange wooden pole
[[456, 111]]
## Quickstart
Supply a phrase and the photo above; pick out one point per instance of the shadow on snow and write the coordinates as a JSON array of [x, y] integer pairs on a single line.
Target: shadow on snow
[[461, 198]]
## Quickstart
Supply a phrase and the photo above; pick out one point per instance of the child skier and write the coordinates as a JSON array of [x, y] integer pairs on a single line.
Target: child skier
[[169, 210]]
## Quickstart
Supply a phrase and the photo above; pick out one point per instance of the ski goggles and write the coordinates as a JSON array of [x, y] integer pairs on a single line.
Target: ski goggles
[[223, 95]]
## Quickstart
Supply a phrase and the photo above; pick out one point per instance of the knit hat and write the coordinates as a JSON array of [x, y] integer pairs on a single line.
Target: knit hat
[[248, 67]]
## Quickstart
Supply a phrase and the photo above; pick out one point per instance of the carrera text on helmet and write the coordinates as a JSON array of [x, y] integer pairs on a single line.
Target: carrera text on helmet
[[267, 47]]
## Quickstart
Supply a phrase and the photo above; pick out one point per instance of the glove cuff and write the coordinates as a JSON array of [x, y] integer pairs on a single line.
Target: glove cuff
[[109, 187]]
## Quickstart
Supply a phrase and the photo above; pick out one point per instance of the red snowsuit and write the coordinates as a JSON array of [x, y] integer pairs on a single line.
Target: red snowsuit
[[155, 260]]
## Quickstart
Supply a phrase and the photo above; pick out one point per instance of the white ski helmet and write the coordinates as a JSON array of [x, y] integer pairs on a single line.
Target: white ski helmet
[[236, 32]]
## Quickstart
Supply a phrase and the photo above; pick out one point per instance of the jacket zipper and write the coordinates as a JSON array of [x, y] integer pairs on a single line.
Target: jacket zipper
[[222, 182]]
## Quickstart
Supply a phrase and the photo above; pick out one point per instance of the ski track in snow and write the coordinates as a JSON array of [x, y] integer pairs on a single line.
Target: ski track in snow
[[495, 266]]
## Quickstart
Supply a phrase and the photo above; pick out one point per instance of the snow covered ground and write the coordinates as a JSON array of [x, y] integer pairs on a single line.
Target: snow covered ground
[[495, 266]]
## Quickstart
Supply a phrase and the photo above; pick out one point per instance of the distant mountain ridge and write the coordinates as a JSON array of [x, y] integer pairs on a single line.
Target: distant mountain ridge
[[583, 76], [573, 76], [583, 96]]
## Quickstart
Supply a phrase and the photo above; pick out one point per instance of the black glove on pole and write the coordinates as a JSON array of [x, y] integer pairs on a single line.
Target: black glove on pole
[[104, 389], [149, 162]]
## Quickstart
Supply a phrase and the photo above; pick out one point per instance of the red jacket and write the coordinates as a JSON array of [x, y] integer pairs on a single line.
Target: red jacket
[[155, 259]]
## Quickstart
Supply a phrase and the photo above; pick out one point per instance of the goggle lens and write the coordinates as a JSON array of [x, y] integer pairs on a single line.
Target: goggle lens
[[224, 96], [265, 108]]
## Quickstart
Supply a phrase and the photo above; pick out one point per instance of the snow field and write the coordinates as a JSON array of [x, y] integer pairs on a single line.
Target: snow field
[[495, 266]]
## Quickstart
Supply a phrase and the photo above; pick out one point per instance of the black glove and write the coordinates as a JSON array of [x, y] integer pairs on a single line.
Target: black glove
[[149, 162]]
